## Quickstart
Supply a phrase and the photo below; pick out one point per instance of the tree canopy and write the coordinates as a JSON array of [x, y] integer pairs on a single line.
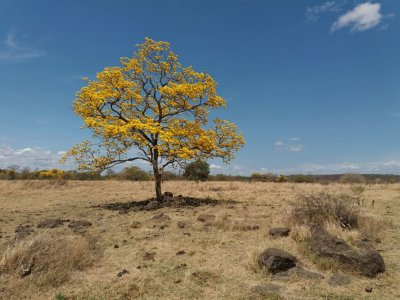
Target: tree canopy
[[152, 108]]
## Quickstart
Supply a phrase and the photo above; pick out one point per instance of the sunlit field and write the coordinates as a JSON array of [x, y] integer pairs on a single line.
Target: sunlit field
[[215, 259]]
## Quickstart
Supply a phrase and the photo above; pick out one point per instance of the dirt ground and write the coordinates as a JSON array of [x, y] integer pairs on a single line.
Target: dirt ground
[[204, 260]]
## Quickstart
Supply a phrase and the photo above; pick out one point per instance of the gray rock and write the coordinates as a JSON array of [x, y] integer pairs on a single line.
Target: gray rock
[[79, 224], [182, 224], [50, 223], [339, 279], [161, 217], [279, 232], [276, 260], [366, 262], [206, 218], [152, 205]]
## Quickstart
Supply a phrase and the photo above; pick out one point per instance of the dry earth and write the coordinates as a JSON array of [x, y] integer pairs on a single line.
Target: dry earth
[[207, 260]]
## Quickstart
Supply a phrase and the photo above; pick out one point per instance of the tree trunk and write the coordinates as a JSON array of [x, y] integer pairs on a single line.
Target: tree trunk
[[157, 179]]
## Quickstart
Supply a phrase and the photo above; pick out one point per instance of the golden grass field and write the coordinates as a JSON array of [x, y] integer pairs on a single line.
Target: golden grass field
[[219, 259]]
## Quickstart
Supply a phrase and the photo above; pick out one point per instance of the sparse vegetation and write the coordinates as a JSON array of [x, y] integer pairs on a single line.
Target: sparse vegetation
[[222, 253]]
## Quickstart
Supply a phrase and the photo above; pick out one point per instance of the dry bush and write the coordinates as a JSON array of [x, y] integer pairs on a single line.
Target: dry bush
[[319, 208], [352, 178], [49, 259]]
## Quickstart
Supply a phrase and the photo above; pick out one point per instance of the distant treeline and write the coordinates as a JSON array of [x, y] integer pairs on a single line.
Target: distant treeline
[[135, 173]]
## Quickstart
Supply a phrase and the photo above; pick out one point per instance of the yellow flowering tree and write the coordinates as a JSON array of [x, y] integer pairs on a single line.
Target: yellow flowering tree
[[151, 108]]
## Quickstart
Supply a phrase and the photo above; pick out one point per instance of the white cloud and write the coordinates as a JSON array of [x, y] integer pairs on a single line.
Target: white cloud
[[13, 51], [313, 12], [362, 17], [295, 148], [29, 157], [214, 166], [291, 145]]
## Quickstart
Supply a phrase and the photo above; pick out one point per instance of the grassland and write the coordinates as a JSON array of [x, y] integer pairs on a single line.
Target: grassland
[[217, 260]]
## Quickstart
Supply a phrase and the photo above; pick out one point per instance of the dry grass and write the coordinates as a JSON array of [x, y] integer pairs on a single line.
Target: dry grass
[[47, 258], [222, 254]]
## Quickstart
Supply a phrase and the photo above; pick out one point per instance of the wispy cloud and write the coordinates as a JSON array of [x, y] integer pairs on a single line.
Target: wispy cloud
[[313, 12], [362, 17], [13, 51], [291, 145], [29, 157]]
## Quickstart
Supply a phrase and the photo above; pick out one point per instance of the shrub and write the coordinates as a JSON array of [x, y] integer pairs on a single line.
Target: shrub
[[48, 258], [281, 178], [352, 178], [134, 173], [301, 178], [323, 207], [197, 170]]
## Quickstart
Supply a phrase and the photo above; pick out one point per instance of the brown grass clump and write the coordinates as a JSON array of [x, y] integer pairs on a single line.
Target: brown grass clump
[[48, 259], [322, 207]]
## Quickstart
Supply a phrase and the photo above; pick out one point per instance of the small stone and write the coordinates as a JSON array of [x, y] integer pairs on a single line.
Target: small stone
[[279, 232], [368, 289], [161, 217], [168, 194], [339, 279], [206, 218], [181, 252], [116, 246], [79, 224], [123, 272], [152, 205], [177, 280], [182, 224], [50, 223]]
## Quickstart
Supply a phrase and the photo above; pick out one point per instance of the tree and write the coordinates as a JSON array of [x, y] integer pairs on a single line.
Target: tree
[[134, 173], [155, 106], [197, 170]]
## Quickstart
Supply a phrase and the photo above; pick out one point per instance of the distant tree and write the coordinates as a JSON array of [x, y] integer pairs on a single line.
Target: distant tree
[[352, 178], [197, 170], [12, 172], [155, 106], [134, 173], [281, 178], [301, 178]]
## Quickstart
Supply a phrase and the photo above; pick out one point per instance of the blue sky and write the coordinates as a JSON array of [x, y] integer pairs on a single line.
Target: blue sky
[[314, 86]]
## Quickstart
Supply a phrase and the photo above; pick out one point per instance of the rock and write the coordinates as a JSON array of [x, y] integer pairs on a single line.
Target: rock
[[149, 256], [181, 252], [279, 232], [26, 269], [366, 262], [123, 272], [50, 223], [368, 289], [339, 279], [168, 194], [22, 231], [79, 224], [182, 224], [161, 217], [116, 246], [177, 280], [266, 289], [206, 218], [152, 205], [276, 260]]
